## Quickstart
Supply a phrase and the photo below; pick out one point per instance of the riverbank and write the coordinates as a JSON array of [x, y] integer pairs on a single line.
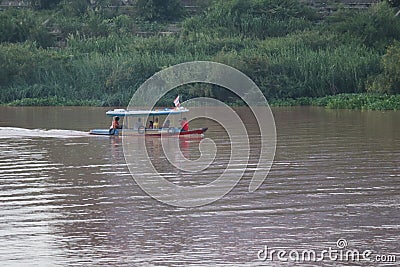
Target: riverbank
[[341, 101], [362, 101], [289, 50], [53, 101]]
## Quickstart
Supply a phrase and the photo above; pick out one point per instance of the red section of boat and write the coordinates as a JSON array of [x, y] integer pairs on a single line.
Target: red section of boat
[[182, 133], [195, 131]]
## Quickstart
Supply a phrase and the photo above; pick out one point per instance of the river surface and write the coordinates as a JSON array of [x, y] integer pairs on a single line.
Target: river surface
[[68, 199]]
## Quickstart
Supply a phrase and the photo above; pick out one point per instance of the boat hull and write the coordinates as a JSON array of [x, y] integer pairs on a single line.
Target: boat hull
[[104, 132], [150, 132]]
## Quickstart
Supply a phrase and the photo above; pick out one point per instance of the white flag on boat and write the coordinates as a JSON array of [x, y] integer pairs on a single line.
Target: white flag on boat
[[176, 102]]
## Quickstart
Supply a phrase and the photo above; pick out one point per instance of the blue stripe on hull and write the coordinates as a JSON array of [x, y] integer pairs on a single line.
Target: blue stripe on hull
[[103, 132]]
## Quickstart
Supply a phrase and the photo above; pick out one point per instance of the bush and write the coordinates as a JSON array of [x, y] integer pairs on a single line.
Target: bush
[[376, 27], [252, 18], [53, 101], [345, 101], [288, 67], [24, 25], [393, 3], [277, 44], [159, 10], [16, 26], [389, 81], [43, 4]]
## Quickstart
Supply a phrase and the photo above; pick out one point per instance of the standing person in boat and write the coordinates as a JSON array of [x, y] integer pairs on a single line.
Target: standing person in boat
[[184, 125], [138, 124], [151, 125], [115, 125], [156, 124], [167, 123]]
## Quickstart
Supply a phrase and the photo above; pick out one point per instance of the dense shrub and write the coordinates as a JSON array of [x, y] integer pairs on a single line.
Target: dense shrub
[[160, 10], [252, 18], [22, 25], [389, 80], [345, 101], [393, 3], [276, 43], [43, 4], [376, 27]]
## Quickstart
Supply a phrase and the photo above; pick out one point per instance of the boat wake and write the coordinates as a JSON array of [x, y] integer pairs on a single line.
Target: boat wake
[[13, 132]]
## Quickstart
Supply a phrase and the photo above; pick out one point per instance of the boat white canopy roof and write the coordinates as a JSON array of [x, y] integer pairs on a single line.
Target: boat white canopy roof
[[138, 113]]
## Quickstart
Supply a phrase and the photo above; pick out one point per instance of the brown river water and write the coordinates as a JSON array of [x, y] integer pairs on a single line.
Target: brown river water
[[68, 199]]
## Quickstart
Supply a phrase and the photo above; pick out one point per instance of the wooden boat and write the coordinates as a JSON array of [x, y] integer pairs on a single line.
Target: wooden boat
[[141, 130]]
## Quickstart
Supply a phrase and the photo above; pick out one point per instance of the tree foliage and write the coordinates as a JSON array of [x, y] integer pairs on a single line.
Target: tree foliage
[[160, 10], [283, 46], [376, 27], [389, 80], [252, 18], [21, 26], [44, 4], [394, 3]]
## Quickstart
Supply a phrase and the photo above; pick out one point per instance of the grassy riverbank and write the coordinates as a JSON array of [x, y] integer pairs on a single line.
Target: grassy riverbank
[[341, 101], [295, 55], [345, 101], [53, 101]]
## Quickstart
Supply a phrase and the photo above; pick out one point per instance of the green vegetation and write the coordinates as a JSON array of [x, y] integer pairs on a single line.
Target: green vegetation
[[53, 101], [345, 101], [255, 19], [375, 28], [73, 53], [160, 10], [389, 80]]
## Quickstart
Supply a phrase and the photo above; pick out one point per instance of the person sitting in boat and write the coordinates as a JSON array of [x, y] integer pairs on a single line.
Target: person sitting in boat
[[151, 125], [167, 123], [115, 125], [138, 124], [184, 125], [156, 124]]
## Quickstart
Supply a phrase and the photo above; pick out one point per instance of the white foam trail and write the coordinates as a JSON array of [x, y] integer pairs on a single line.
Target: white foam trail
[[13, 132]]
